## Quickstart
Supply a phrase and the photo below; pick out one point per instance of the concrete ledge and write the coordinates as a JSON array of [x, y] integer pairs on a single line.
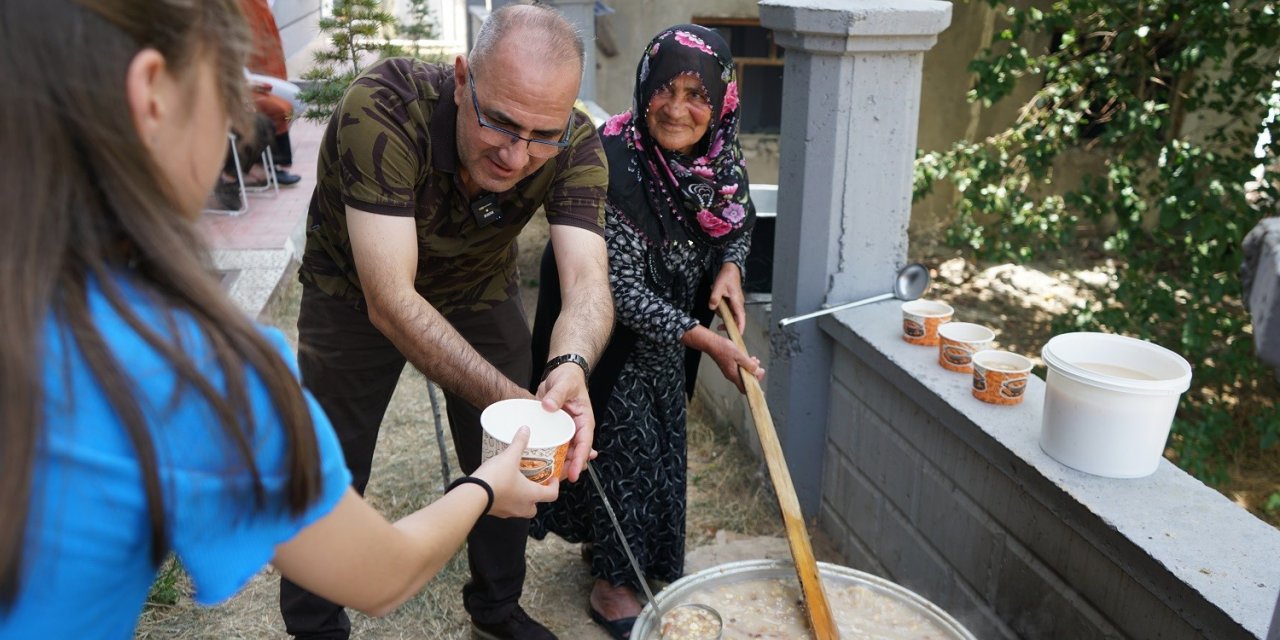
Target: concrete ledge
[[1050, 551], [853, 17], [253, 275]]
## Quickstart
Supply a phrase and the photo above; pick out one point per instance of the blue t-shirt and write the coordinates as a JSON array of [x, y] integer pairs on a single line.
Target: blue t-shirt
[[87, 566]]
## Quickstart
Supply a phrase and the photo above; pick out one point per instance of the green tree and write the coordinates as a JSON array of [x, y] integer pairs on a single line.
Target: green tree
[[357, 32], [1166, 99], [420, 26]]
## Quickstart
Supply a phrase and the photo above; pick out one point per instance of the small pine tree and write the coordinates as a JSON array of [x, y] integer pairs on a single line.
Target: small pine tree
[[357, 30], [420, 26]]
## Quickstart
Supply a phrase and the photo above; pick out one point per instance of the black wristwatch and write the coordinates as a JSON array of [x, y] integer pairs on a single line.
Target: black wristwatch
[[568, 357]]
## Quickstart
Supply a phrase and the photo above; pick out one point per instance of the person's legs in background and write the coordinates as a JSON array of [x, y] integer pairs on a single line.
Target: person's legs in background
[[280, 112], [247, 155]]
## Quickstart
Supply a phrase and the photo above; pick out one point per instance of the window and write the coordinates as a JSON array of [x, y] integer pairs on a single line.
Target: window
[[759, 61]]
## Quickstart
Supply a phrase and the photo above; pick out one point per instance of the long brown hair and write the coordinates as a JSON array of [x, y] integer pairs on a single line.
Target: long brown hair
[[84, 203]]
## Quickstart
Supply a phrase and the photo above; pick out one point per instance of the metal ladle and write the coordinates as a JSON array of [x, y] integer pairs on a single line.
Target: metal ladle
[[912, 281]]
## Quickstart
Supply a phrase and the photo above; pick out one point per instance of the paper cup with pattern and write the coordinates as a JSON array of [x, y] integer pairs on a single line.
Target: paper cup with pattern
[[958, 341], [1000, 377], [549, 436], [921, 318]]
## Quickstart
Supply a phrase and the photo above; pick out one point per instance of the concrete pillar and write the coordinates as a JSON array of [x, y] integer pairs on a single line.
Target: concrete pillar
[[851, 100], [582, 13]]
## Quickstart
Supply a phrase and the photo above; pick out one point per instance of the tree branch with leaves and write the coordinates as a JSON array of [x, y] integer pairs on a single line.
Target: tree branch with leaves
[[1165, 100]]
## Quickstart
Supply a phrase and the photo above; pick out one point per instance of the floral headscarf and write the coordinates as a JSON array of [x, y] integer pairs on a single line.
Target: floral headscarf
[[664, 194]]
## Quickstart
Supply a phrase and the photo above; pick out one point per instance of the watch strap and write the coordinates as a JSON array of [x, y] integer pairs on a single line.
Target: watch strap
[[566, 358]]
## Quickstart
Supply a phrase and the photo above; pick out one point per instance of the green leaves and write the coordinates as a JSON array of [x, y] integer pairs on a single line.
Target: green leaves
[[1161, 102]]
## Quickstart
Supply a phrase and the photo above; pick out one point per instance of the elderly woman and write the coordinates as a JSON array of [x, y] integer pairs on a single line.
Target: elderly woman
[[679, 219]]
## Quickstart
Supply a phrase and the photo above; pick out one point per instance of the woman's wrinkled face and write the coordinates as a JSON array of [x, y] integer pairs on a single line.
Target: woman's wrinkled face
[[679, 114]]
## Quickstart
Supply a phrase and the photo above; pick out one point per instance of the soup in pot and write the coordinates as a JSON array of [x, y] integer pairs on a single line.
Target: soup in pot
[[771, 609]]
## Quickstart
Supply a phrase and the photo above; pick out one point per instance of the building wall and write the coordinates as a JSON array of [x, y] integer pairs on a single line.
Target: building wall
[[298, 21]]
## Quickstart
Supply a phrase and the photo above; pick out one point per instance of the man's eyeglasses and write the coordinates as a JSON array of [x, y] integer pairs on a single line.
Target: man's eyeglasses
[[494, 135]]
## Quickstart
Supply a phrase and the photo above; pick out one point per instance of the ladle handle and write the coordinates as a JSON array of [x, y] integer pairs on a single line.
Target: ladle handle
[[840, 307], [816, 608]]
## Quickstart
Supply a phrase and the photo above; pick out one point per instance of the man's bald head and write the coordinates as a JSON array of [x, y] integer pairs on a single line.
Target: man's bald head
[[542, 33]]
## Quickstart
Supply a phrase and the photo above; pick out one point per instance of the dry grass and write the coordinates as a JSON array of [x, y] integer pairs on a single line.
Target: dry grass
[[729, 490]]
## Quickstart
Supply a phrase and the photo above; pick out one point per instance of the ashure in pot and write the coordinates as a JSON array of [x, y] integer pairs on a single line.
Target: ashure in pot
[[865, 606]]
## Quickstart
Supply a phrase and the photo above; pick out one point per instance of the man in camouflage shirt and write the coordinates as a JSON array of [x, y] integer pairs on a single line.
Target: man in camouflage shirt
[[427, 174]]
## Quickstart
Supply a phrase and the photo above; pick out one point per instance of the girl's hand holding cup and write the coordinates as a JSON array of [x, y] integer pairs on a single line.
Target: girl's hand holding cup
[[514, 495]]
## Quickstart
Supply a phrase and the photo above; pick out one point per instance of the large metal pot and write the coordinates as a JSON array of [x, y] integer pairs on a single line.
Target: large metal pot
[[647, 625]]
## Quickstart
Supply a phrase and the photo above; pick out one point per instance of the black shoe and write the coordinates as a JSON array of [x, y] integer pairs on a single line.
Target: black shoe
[[618, 629], [517, 626], [286, 179]]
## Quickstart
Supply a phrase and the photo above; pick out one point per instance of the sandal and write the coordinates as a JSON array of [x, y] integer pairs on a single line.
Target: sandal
[[619, 629]]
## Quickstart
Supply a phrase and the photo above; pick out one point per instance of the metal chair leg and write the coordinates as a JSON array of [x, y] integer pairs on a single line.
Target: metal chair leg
[[244, 199]]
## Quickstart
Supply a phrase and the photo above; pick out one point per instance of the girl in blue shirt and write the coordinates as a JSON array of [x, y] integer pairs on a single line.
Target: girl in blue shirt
[[140, 411]]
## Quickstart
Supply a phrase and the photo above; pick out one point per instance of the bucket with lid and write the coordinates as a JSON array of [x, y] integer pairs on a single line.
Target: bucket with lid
[[1109, 402]]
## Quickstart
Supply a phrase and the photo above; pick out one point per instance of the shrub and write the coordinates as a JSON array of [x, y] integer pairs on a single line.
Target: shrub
[[1166, 100]]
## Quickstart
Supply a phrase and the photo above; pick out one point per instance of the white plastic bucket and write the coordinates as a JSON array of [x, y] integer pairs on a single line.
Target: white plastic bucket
[[1109, 402]]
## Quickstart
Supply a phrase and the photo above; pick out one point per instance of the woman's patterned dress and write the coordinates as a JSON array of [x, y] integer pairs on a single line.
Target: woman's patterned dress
[[641, 434]]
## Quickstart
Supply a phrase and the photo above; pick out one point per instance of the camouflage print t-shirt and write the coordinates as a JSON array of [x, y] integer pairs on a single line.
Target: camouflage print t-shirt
[[391, 149]]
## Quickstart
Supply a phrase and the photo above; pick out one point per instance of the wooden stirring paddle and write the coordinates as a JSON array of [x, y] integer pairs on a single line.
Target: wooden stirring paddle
[[816, 608]]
